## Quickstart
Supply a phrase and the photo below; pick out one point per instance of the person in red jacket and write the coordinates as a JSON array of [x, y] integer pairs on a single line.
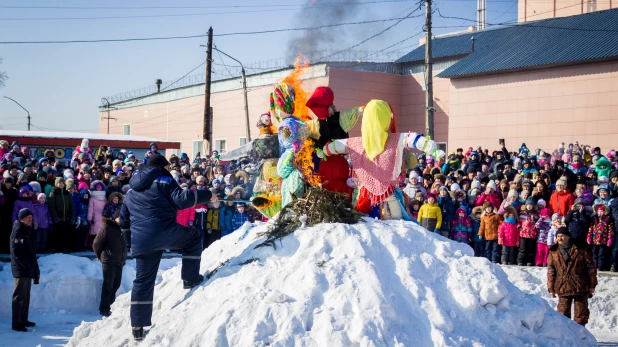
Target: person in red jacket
[[489, 195], [561, 200]]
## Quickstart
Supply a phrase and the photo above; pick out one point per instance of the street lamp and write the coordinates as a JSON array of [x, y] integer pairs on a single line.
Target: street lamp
[[244, 88], [6, 97]]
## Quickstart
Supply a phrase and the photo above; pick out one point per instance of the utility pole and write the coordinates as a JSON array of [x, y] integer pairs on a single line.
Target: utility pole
[[18, 104], [207, 134], [105, 102], [244, 89], [428, 73]]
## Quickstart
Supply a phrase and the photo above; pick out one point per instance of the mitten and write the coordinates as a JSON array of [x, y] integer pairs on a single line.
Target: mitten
[[499, 241], [589, 240], [610, 242]]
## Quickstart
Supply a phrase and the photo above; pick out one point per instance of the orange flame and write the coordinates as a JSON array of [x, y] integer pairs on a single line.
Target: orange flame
[[294, 79]]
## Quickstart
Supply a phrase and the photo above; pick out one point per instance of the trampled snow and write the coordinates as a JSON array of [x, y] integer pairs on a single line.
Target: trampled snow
[[372, 284]]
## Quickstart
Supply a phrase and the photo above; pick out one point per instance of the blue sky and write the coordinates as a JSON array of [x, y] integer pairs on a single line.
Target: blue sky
[[62, 84]]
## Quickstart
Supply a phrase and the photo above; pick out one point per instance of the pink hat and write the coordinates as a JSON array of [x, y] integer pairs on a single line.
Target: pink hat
[[41, 195], [82, 185], [546, 212]]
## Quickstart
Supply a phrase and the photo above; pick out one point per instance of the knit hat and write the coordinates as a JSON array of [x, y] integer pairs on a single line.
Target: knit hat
[[492, 185], [578, 201], [563, 231], [476, 184], [320, 101], [487, 204], [431, 195], [546, 212], [23, 213], [600, 207], [42, 195], [42, 160], [58, 180], [530, 201], [555, 216], [157, 160], [70, 184], [455, 187], [216, 181], [413, 174], [582, 180], [513, 193]]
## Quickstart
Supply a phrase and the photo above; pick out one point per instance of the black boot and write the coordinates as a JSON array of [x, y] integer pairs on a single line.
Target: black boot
[[29, 324], [138, 333], [20, 328], [195, 282]]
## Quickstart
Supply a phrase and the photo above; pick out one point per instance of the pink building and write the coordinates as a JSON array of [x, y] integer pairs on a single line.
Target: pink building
[[541, 82]]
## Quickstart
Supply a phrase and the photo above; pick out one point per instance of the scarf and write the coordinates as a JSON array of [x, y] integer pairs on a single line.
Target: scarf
[[282, 98], [510, 220], [565, 251], [376, 176]]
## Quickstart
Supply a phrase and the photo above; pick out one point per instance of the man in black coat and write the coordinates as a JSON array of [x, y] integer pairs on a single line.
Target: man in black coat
[[24, 267], [148, 219], [614, 211]]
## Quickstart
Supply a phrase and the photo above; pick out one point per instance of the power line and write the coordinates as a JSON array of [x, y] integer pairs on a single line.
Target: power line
[[200, 7], [185, 75], [204, 35]]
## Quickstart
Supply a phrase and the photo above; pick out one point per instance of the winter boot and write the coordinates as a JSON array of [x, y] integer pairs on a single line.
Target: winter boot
[[29, 324], [20, 328], [138, 333], [193, 283]]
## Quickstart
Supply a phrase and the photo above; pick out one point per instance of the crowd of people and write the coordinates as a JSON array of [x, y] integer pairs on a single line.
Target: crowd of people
[[509, 206], [70, 202]]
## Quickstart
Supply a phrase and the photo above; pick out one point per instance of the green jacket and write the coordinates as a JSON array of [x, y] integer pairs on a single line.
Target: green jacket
[[61, 206]]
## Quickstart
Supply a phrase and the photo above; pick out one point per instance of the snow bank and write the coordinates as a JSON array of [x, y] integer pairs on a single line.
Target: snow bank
[[68, 283], [603, 305], [372, 284]]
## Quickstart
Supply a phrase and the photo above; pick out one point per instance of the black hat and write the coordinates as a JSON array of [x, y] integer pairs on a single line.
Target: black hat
[[23, 213], [582, 180], [157, 160], [563, 231]]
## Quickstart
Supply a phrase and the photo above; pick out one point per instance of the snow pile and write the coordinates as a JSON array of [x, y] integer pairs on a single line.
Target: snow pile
[[372, 284], [68, 283], [603, 305]]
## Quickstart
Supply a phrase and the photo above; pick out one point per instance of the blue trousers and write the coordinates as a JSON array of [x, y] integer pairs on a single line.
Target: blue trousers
[[491, 250], [147, 266]]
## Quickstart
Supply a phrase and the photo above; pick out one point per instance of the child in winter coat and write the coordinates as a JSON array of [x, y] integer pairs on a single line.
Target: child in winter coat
[[24, 200], [508, 236], [414, 208], [528, 233], [462, 227], [186, 217], [81, 239], [461, 201], [447, 207], [430, 214], [95, 209], [601, 236], [226, 215], [113, 203], [42, 222], [556, 223], [542, 225], [478, 244], [489, 195], [512, 200], [490, 225], [213, 230], [240, 217]]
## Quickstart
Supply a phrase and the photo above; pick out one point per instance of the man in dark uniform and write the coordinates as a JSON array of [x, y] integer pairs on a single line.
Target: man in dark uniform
[[148, 221]]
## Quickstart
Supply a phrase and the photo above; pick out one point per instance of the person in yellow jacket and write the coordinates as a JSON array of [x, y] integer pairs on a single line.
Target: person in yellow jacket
[[430, 214]]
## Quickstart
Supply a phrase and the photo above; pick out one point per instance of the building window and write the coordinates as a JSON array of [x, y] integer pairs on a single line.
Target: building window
[[221, 145], [126, 129], [197, 145], [442, 146], [243, 140]]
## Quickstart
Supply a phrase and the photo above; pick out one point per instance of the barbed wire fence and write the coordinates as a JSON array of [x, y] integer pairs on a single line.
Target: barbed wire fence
[[360, 59]]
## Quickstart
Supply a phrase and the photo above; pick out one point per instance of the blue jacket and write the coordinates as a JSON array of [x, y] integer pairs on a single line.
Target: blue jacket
[[150, 207], [448, 210], [225, 220]]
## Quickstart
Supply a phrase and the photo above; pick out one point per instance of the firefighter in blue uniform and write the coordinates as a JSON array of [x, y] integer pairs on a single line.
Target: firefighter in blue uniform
[[148, 222]]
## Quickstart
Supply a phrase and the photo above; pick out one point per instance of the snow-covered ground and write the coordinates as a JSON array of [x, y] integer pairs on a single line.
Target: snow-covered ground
[[603, 305], [372, 284], [377, 283], [69, 293]]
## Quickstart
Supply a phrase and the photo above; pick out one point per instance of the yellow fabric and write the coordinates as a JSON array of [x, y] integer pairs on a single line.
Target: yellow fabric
[[374, 128], [430, 211]]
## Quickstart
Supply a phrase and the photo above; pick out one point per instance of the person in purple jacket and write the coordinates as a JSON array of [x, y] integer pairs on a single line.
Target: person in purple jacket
[[24, 200], [42, 221]]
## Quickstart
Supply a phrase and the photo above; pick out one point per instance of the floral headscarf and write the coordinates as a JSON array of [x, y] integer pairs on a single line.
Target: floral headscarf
[[282, 100], [292, 133]]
